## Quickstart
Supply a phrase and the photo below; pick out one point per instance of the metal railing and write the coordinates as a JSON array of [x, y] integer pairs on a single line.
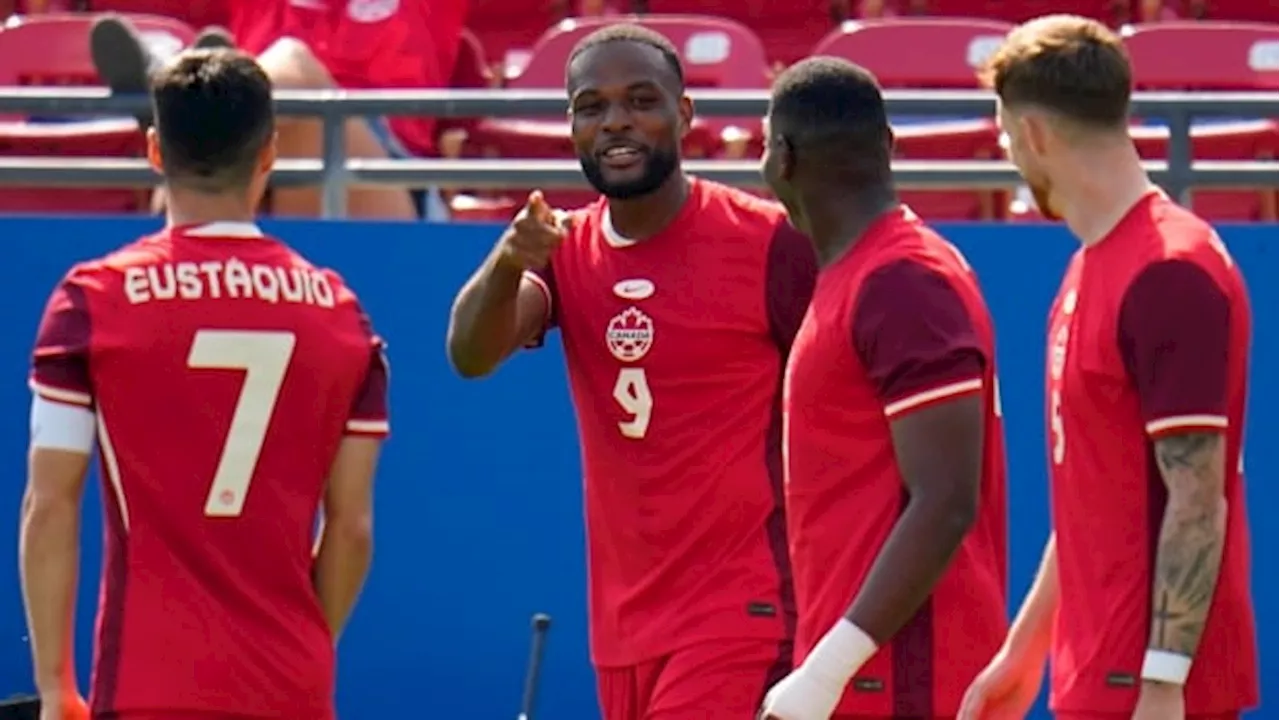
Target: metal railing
[[334, 172]]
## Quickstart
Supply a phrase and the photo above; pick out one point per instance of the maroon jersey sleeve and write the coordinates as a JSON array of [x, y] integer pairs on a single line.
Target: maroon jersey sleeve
[[369, 415], [915, 337], [60, 361], [545, 280], [1174, 331], [789, 281]]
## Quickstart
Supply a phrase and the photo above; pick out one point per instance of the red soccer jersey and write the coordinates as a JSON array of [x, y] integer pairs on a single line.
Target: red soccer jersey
[[675, 349], [896, 324], [1149, 335], [224, 369]]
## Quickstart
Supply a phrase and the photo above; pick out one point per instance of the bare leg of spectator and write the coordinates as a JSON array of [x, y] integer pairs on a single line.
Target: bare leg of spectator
[[123, 62], [291, 65]]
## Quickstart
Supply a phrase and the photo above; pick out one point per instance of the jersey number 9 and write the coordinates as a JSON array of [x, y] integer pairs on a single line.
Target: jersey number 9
[[264, 357], [632, 393]]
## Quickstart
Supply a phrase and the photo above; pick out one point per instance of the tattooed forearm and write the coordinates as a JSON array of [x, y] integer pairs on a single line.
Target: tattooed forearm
[[1191, 538]]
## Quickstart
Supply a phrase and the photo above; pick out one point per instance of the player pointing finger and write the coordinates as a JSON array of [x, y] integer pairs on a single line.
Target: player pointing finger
[[534, 234]]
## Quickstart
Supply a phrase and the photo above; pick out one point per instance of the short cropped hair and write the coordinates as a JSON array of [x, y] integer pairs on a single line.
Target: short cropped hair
[[630, 32], [214, 115], [1072, 66], [832, 102]]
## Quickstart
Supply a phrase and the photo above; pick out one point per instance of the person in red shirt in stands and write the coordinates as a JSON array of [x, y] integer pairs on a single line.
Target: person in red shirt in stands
[[896, 509], [677, 300], [1142, 601], [360, 44], [232, 388]]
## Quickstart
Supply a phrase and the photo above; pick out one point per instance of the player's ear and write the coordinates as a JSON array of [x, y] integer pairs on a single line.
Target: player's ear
[[686, 114], [1035, 128], [267, 157], [154, 158]]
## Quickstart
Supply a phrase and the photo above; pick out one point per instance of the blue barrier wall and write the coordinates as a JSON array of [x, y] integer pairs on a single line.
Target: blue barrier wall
[[472, 538]]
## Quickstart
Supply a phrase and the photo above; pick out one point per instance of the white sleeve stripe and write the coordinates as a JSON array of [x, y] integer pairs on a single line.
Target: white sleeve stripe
[[60, 395], [546, 292], [928, 396], [62, 426], [1186, 421], [368, 426]]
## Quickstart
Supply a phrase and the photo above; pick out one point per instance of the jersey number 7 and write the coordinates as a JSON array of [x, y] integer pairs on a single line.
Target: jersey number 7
[[264, 357]]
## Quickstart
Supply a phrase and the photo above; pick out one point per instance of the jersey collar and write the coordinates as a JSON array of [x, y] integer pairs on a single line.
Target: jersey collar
[[228, 230]]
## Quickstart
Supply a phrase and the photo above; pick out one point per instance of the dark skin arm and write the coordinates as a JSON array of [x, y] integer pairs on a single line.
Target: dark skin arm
[[499, 309], [939, 453], [1189, 554], [495, 313]]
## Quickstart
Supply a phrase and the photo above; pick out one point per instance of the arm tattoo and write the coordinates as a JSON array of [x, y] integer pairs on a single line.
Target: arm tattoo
[[1189, 554]]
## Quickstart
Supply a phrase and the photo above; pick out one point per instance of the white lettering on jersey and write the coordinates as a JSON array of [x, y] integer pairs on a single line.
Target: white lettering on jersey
[[232, 280]]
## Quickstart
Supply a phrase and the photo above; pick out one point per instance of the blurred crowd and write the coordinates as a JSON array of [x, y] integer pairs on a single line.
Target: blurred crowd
[[317, 44]]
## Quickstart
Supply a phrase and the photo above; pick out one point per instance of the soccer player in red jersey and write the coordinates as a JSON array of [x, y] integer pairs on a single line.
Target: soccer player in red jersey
[[677, 300], [232, 389], [1142, 599], [895, 451]]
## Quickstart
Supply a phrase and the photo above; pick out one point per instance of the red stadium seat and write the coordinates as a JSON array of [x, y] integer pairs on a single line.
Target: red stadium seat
[[1211, 56], [100, 138], [788, 29], [956, 50], [943, 53], [53, 50], [1203, 55], [505, 27], [1244, 140]]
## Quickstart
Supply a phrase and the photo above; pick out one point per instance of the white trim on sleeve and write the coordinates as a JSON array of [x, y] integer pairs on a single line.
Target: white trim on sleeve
[[1190, 422], [368, 427], [61, 395], [62, 426], [925, 397]]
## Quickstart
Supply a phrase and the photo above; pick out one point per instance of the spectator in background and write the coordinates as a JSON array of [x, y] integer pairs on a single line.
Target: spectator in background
[[875, 9], [1150, 11], [353, 44]]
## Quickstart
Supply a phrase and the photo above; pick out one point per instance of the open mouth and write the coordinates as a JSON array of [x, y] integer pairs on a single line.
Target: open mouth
[[622, 157]]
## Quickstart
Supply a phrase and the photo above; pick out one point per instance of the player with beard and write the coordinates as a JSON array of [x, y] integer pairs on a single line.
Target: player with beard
[[677, 300], [1142, 600]]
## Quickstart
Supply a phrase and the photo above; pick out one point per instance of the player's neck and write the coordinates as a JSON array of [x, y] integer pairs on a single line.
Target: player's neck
[[1106, 187], [838, 221], [185, 208], [643, 217]]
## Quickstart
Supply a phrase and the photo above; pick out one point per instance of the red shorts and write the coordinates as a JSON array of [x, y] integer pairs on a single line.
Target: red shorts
[[708, 681], [1127, 716]]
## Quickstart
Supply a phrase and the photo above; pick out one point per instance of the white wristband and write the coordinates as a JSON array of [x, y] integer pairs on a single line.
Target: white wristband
[[1166, 667], [840, 653]]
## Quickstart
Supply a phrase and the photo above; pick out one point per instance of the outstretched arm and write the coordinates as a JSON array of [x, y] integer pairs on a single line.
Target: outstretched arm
[[508, 301]]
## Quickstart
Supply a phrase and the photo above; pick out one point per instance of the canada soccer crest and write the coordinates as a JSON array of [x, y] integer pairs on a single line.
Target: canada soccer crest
[[629, 335]]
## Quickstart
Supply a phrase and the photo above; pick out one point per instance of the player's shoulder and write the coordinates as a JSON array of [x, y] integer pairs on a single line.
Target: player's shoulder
[[737, 212], [1179, 235], [101, 272], [905, 244]]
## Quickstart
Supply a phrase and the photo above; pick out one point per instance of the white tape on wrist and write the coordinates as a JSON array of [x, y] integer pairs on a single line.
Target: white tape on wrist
[[840, 653], [1166, 667]]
